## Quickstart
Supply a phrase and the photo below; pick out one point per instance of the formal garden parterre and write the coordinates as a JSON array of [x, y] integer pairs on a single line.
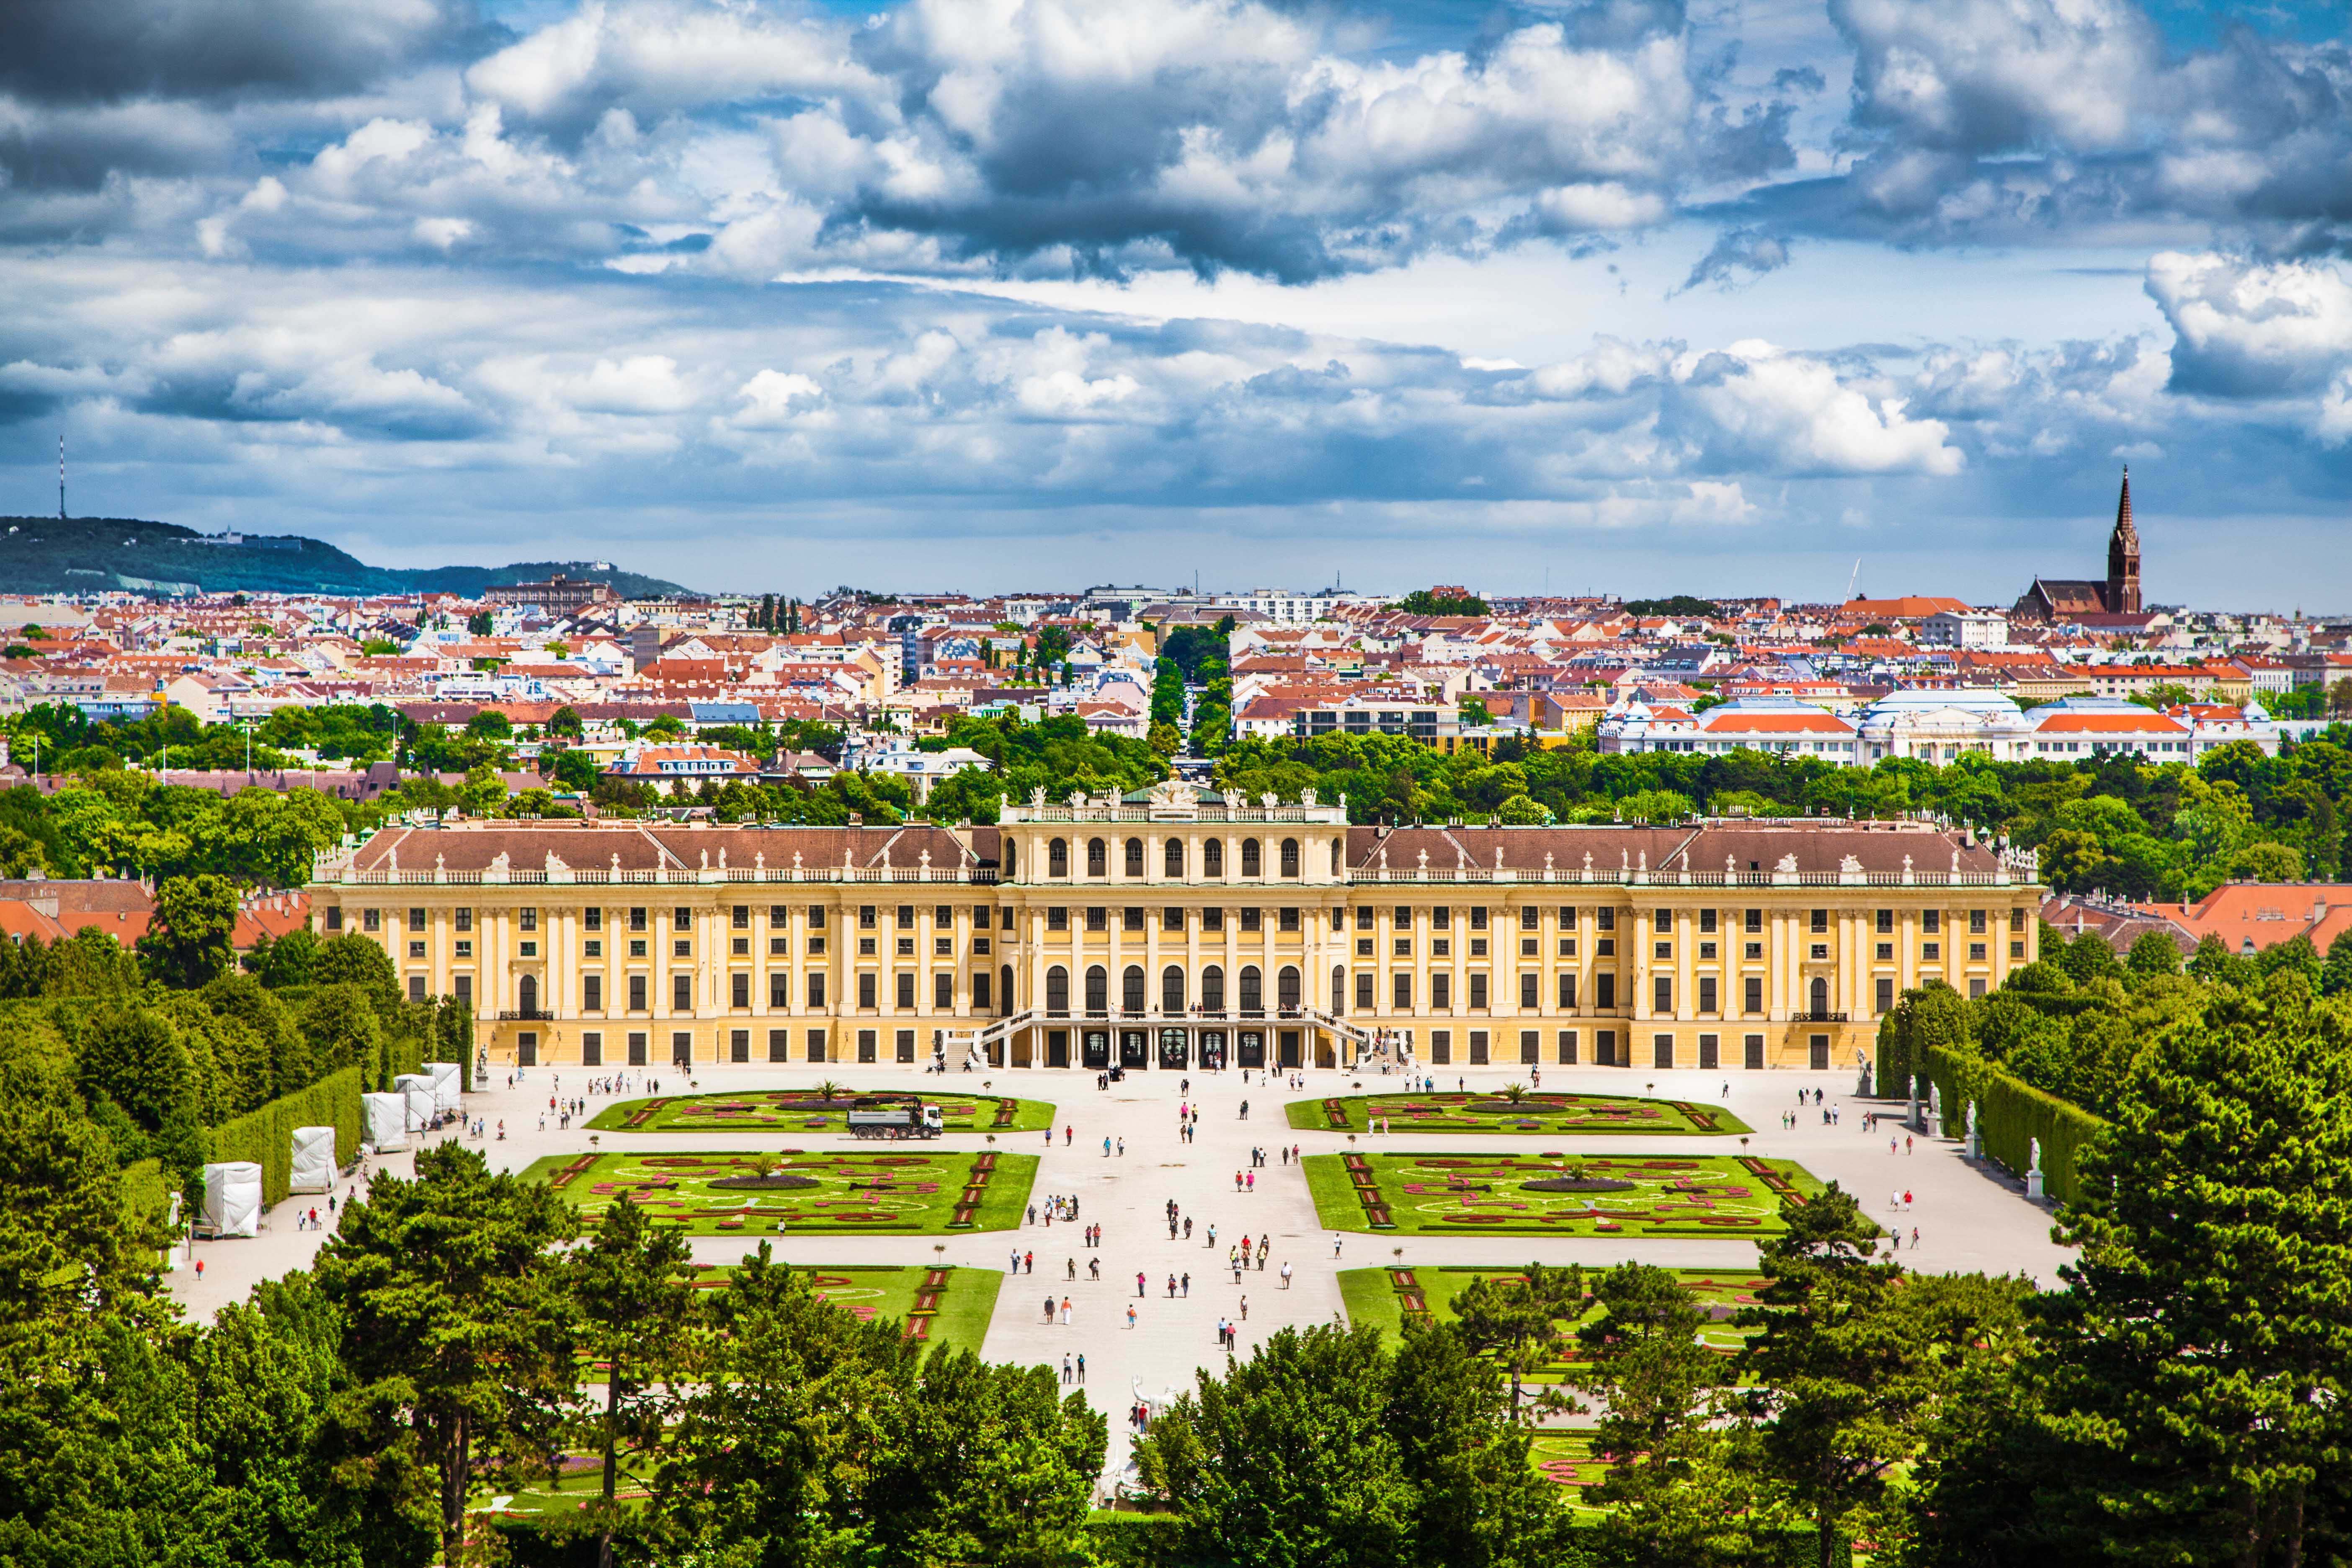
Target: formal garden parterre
[[1389, 1298], [1516, 1110], [902, 1191], [1727, 1196], [824, 1107]]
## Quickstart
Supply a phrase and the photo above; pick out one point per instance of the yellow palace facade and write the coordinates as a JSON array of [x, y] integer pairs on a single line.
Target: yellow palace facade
[[1176, 929]]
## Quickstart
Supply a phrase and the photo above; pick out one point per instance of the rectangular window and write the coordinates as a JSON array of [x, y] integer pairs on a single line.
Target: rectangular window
[[593, 948], [780, 915], [866, 991], [1661, 995], [1662, 920], [1567, 1048], [1707, 994], [1212, 920], [866, 1039], [1977, 922], [1441, 990], [1403, 990], [639, 1049], [817, 1046], [780, 1045], [636, 993], [1706, 922], [1289, 920], [739, 917], [1662, 950], [1886, 922], [1568, 993], [1171, 918], [1817, 1050], [1531, 1047], [779, 990], [638, 917], [1131, 918], [417, 988], [2017, 919], [1441, 1048], [1478, 918], [681, 992], [1821, 920], [592, 919], [1932, 951], [1099, 918], [1662, 1050], [1976, 988], [980, 992], [1478, 991], [1751, 998], [465, 984], [943, 992], [1056, 918], [1250, 921], [415, 950], [943, 915], [904, 1044], [738, 1045], [1363, 990], [371, 921], [867, 916], [1976, 952], [592, 1050], [906, 992], [1530, 996], [817, 922], [526, 919], [1751, 1052], [817, 991], [905, 916], [1604, 992], [681, 948], [1885, 952], [739, 990], [1931, 921], [1568, 917], [1530, 918], [681, 918], [1753, 921], [1885, 994], [2017, 950], [1709, 1048], [592, 992], [1478, 1047], [1441, 919], [1404, 920], [1604, 1049]]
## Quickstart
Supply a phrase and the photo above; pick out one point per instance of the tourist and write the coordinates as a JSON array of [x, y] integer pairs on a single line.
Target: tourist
[[1066, 1368], [1130, 1312], [1029, 1263], [1066, 1311], [1016, 1266], [1186, 1282], [1105, 1148], [1245, 1308], [1139, 1290], [1049, 1310], [1082, 1369], [1286, 1276], [1171, 1287]]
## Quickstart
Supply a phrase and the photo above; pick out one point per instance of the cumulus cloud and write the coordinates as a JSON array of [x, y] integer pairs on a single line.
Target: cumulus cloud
[[2248, 330]]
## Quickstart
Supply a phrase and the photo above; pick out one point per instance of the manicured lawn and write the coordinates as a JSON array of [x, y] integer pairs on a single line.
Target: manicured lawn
[[940, 1306], [1729, 1196], [803, 1111], [1384, 1298], [896, 1188], [1544, 1111]]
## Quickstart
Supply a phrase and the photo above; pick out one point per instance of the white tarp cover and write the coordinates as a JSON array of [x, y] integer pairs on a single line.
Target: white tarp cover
[[387, 1119], [233, 1199], [448, 1085], [314, 1161], [422, 1102]]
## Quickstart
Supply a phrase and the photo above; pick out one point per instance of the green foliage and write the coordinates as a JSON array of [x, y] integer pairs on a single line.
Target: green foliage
[[1680, 607], [192, 935], [1428, 601], [265, 1136], [2012, 1117], [1324, 1448], [1930, 1017], [627, 1288]]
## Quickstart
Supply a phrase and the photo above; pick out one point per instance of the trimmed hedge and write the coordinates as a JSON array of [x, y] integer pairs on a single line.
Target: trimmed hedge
[[2011, 1116], [265, 1137]]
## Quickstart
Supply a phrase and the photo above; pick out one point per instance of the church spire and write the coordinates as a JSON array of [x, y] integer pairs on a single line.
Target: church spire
[[2123, 557]]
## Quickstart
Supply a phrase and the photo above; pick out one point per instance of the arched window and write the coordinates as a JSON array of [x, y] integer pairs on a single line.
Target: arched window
[[527, 994], [1212, 990], [1250, 867], [1213, 857], [1131, 984], [1171, 990], [1338, 856], [1057, 858], [1339, 987], [1173, 866], [1008, 860], [1290, 856], [1004, 991], [1253, 997], [1135, 857], [1286, 988], [1097, 858], [1098, 992], [1820, 996], [1058, 991]]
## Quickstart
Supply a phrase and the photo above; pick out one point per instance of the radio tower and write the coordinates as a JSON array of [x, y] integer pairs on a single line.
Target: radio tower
[[62, 478]]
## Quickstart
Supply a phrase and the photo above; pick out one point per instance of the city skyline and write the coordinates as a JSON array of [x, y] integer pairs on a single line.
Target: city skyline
[[1707, 299]]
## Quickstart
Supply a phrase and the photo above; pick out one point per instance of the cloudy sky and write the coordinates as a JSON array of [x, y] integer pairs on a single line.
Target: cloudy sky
[[1636, 295]]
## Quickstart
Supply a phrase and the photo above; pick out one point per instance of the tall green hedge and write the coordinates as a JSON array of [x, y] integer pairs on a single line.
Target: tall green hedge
[[265, 1137], [2010, 1115]]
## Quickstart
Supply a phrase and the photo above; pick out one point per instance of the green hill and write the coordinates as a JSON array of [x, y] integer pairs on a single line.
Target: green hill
[[90, 554]]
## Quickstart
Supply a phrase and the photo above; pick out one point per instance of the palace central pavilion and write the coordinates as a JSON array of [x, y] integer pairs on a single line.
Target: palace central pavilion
[[1176, 928]]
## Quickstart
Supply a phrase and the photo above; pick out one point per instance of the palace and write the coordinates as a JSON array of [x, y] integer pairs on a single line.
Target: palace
[[2052, 600], [1175, 928]]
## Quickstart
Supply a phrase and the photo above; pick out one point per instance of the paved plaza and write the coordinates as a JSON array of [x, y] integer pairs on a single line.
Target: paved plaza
[[1969, 1215]]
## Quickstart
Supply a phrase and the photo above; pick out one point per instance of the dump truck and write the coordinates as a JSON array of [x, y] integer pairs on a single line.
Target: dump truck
[[875, 1117]]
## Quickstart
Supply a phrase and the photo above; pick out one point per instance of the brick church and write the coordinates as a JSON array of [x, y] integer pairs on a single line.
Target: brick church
[[2060, 599]]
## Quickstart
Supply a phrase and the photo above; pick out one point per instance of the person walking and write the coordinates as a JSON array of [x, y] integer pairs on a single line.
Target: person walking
[[1130, 1312], [1286, 1276], [1049, 1309], [1082, 1369], [1187, 1283], [1029, 1263], [1105, 1148], [1066, 1311], [1067, 1368], [1138, 1288], [1245, 1308]]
